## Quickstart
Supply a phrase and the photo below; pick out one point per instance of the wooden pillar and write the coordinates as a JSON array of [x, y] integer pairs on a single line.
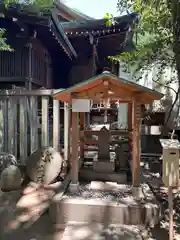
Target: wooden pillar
[[66, 132], [130, 120], [82, 125], [75, 152], [136, 145], [56, 125]]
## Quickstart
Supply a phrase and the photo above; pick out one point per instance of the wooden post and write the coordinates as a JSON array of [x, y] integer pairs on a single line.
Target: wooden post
[[56, 124], [136, 146], [170, 174], [75, 152], [82, 125], [66, 132], [170, 201], [130, 114], [1, 126], [45, 123]]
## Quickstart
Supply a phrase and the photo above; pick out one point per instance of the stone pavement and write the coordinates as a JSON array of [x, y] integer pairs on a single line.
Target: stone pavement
[[99, 232]]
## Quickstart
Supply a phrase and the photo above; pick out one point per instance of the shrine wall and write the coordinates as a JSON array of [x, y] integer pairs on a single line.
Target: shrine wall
[[80, 73]]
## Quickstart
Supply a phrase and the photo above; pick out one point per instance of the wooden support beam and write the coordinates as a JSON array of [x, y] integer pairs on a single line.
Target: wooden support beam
[[45, 122], [130, 119], [82, 125], [66, 133], [56, 125], [136, 145], [75, 152]]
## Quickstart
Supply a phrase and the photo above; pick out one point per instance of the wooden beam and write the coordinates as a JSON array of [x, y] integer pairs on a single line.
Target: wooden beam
[[103, 92], [56, 124], [136, 145], [45, 122], [26, 93], [111, 132], [67, 127], [75, 153], [130, 119], [82, 125]]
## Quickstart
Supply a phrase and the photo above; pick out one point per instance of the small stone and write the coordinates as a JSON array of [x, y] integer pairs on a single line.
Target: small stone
[[97, 185], [10, 178]]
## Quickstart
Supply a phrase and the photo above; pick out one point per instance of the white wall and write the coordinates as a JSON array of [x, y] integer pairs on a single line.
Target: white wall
[[147, 81]]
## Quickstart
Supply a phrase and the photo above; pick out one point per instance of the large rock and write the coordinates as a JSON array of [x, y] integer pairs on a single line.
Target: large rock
[[7, 159], [10, 174], [10, 178], [44, 165]]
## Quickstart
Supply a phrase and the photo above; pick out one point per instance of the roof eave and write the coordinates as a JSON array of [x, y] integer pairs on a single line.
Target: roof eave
[[66, 41], [157, 95], [128, 19]]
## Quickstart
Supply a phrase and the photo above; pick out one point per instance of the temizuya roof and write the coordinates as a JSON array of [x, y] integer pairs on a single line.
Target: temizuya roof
[[107, 85]]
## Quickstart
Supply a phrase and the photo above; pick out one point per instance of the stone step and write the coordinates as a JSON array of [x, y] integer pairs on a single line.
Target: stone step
[[116, 207], [92, 231]]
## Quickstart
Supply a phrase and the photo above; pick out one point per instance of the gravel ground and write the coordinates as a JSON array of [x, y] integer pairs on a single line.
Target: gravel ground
[[85, 192]]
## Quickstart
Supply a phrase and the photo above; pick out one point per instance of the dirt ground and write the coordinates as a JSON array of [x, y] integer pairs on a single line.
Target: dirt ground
[[42, 229]]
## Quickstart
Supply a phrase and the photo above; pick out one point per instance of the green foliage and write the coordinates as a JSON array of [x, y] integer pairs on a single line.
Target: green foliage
[[154, 41], [158, 39], [38, 6], [109, 19], [3, 45], [34, 6]]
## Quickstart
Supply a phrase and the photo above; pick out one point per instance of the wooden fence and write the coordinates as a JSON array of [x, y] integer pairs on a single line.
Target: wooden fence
[[30, 119]]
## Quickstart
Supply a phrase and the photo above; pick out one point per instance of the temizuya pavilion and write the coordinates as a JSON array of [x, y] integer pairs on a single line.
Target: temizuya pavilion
[[109, 87]]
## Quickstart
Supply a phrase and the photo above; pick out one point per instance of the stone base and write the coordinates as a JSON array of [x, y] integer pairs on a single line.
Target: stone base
[[73, 187], [137, 193], [128, 211], [104, 166]]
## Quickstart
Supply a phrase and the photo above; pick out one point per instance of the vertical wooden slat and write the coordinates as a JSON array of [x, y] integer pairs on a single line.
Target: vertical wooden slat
[[56, 124], [30, 67], [66, 131], [75, 153], [136, 145], [1, 125], [6, 125], [33, 123], [45, 122], [14, 99], [12, 125], [23, 128]]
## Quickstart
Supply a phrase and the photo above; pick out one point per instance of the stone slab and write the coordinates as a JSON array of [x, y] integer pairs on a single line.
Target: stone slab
[[89, 174], [103, 166]]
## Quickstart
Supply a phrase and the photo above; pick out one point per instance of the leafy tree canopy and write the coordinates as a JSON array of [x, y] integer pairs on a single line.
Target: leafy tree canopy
[[36, 6], [154, 35]]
